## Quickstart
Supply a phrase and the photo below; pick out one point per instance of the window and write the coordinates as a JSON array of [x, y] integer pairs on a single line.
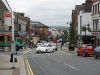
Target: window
[[95, 25], [98, 7], [95, 8], [10, 28], [19, 27]]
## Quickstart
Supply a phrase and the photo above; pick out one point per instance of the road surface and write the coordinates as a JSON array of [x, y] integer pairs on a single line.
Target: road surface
[[62, 63]]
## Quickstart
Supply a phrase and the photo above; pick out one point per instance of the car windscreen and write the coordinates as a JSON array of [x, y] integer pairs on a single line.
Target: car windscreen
[[43, 46], [97, 48], [89, 47]]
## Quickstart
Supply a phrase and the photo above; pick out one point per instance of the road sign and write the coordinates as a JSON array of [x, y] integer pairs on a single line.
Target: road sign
[[8, 18]]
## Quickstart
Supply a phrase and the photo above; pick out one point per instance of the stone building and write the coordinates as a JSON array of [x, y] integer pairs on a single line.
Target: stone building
[[96, 21]]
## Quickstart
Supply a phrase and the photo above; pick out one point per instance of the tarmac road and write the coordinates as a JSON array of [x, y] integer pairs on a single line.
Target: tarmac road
[[62, 63]]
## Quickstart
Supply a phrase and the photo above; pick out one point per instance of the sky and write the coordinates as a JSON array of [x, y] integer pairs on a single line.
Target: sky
[[49, 12]]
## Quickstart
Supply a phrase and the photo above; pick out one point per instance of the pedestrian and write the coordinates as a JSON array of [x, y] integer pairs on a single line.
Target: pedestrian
[[62, 43]]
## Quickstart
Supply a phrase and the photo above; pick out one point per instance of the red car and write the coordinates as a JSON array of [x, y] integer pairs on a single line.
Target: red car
[[85, 50]]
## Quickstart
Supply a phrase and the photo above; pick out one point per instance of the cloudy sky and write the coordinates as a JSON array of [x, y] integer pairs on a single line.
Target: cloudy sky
[[49, 12]]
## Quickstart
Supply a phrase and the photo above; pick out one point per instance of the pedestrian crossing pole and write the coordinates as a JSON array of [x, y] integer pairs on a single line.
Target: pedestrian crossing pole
[[9, 20], [13, 50]]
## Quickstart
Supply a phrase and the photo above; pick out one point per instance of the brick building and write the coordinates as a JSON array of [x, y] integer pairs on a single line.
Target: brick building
[[39, 29]]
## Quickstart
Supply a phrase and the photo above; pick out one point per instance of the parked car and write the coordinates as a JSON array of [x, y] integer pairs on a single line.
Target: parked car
[[44, 48], [39, 44], [85, 50], [54, 46], [97, 52]]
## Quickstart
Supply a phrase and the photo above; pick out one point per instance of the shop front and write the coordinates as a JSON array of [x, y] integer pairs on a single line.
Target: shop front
[[5, 41]]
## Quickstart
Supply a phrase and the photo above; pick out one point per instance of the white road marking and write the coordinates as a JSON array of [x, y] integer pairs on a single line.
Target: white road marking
[[71, 66]]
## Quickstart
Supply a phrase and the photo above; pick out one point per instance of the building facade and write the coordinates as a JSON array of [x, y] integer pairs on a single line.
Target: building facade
[[21, 25], [81, 17], [39, 31], [5, 32], [96, 21]]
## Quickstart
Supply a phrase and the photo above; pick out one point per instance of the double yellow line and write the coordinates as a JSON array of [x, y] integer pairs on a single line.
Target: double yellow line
[[29, 70]]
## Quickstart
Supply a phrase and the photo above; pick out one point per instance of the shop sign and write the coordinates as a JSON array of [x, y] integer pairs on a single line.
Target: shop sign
[[7, 18]]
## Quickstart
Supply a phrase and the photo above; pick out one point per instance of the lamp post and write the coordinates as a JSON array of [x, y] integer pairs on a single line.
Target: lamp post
[[13, 59], [13, 49]]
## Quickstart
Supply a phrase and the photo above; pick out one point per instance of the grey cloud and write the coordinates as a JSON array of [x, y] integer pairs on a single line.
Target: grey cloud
[[50, 12]]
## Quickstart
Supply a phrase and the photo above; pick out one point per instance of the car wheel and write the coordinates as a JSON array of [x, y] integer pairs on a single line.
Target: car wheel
[[53, 50], [46, 51], [78, 54], [56, 49], [37, 52], [95, 56]]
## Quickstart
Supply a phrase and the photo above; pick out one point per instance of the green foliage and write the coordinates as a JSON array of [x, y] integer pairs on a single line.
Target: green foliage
[[84, 28], [72, 35], [66, 35]]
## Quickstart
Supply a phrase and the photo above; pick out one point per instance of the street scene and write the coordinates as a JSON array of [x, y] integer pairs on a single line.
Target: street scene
[[49, 37]]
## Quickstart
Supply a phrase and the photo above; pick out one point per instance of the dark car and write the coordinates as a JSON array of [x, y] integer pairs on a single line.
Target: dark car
[[97, 52]]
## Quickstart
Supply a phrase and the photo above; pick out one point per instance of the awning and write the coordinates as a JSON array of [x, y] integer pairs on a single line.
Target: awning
[[5, 34]]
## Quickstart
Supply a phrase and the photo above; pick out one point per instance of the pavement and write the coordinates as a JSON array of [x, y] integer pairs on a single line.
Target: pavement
[[5, 65], [66, 49]]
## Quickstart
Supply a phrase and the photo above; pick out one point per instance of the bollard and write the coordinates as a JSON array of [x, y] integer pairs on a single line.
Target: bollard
[[11, 58]]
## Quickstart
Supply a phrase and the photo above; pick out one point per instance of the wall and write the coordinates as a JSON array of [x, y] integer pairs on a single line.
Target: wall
[[86, 19]]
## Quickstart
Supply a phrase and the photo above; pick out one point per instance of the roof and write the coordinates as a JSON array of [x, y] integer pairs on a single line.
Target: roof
[[87, 6], [79, 7], [5, 34], [20, 16]]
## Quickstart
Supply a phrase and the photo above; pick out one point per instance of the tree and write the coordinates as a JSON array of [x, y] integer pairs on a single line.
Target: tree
[[84, 28], [71, 35], [66, 35]]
